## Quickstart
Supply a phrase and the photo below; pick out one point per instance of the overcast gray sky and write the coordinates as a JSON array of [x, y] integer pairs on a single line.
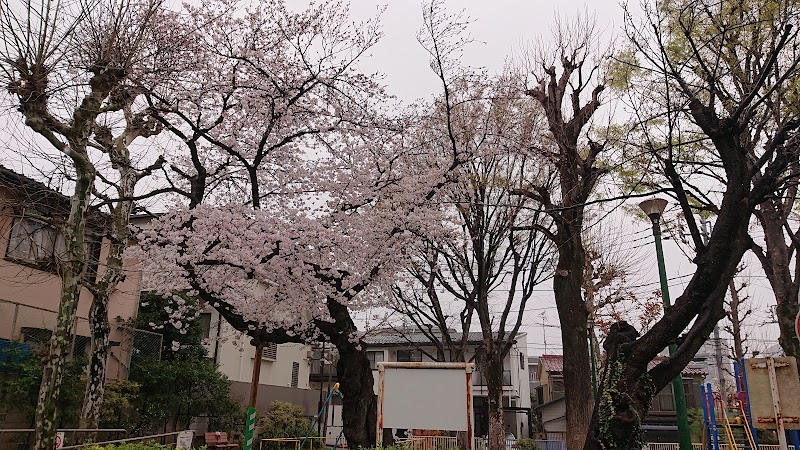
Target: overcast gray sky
[[501, 29]]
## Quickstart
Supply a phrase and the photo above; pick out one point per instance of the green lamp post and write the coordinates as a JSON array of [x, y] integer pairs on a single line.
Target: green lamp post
[[654, 208]]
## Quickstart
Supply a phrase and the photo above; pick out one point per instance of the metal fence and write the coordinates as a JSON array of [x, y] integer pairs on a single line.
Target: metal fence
[[696, 446], [21, 438], [447, 442], [32, 327]]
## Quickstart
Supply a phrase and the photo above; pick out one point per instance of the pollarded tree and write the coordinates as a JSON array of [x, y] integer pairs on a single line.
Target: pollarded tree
[[701, 110], [69, 66], [568, 83]]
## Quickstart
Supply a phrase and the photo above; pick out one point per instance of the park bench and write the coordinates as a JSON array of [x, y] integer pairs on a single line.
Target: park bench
[[217, 439]]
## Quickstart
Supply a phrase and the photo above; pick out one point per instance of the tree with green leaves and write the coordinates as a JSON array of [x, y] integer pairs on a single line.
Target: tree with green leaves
[[709, 75]]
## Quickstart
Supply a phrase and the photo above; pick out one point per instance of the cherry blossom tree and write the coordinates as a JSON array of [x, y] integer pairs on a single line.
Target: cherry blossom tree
[[301, 193]]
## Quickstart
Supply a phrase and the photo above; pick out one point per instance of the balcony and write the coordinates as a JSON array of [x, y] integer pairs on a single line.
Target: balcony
[[322, 372], [479, 380]]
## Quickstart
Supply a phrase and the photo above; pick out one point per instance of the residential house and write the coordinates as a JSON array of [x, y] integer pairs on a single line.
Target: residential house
[[285, 368], [30, 286], [660, 423], [410, 346]]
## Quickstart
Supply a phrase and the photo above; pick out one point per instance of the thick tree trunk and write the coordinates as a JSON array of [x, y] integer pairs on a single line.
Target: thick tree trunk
[[112, 275], [359, 408], [359, 403], [621, 406], [493, 372], [573, 316], [72, 271], [776, 262], [787, 312]]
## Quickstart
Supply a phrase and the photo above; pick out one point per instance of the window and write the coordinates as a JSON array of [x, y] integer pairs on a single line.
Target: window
[[689, 393], [664, 401], [205, 325], [409, 356], [270, 351], [556, 388], [374, 358], [522, 359], [34, 242], [295, 374], [40, 244], [93, 254], [36, 335]]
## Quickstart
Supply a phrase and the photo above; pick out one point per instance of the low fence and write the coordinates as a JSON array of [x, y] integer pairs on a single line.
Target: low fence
[[696, 446], [21, 438], [447, 442]]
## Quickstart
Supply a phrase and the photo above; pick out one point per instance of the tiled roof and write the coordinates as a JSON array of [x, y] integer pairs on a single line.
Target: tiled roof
[[551, 363], [29, 193], [555, 363]]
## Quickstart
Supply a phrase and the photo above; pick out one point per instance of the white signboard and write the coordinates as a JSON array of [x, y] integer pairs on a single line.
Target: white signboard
[[429, 396], [184, 439], [773, 398]]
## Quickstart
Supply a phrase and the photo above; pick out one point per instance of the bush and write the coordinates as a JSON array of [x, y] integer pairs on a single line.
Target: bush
[[283, 420], [148, 445], [525, 444]]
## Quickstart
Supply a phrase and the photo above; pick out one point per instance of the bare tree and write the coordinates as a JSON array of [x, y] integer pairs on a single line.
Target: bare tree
[[567, 86], [492, 258]]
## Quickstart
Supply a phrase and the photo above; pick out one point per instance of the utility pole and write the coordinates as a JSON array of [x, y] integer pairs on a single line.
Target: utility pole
[[705, 231]]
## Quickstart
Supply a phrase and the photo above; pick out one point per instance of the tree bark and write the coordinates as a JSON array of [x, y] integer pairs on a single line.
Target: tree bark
[[776, 261], [112, 275], [72, 273], [96, 377], [493, 372], [620, 406], [573, 316], [359, 404]]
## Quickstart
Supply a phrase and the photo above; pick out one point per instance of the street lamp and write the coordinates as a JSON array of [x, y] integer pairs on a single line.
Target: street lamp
[[654, 208]]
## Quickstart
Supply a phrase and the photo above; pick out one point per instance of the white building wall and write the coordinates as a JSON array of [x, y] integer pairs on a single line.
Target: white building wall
[[235, 356]]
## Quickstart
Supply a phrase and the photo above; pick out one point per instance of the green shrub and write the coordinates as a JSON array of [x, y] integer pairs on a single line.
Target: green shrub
[[283, 420], [525, 444], [145, 445]]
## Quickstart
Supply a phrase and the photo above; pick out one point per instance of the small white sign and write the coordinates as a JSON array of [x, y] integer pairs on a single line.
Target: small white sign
[[184, 439], [59, 439]]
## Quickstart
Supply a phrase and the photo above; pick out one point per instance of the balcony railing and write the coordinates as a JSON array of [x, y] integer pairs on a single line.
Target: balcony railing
[[479, 380], [321, 372]]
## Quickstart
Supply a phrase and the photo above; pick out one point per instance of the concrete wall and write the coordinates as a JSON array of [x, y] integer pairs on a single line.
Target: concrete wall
[[305, 398]]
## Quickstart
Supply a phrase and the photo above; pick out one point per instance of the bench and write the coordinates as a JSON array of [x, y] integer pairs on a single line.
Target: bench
[[218, 439]]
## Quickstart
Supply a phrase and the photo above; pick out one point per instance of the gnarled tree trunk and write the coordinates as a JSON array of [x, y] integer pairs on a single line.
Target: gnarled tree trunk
[[359, 405]]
